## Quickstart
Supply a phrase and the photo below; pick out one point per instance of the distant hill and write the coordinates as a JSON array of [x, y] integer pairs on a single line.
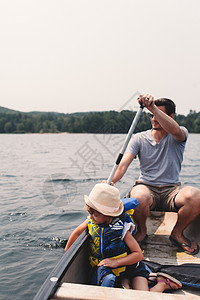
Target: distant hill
[[7, 110], [43, 113], [76, 114], [13, 121]]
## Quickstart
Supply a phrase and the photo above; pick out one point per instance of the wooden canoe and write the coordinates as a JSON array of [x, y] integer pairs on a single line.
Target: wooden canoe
[[69, 279]]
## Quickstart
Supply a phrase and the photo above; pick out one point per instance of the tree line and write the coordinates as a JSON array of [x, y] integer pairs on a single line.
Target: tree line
[[90, 122]]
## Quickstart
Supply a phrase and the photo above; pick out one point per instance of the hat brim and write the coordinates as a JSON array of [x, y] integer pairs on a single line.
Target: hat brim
[[104, 212]]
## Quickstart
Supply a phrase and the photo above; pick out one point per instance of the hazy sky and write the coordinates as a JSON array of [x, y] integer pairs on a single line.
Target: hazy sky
[[88, 55]]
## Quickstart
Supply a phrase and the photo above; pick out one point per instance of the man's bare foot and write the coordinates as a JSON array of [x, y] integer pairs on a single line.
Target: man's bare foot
[[189, 247]]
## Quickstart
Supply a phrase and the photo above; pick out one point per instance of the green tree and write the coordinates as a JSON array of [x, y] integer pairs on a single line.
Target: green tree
[[9, 127], [197, 124], [20, 127]]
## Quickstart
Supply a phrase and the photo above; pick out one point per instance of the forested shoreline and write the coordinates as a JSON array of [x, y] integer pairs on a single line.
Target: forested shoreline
[[90, 122]]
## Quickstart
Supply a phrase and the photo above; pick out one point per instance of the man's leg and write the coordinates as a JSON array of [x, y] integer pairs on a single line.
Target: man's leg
[[188, 202], [143, 194]]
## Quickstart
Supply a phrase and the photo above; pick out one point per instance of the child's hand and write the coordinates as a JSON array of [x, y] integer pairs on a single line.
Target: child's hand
[[108, 262]]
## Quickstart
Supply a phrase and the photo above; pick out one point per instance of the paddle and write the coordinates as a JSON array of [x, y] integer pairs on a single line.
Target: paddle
[[128, 137]]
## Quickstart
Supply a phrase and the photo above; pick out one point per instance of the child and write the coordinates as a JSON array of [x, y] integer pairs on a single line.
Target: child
[[115, 254]]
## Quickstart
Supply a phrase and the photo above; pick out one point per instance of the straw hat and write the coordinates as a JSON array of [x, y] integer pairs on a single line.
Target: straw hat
[[105, 199]]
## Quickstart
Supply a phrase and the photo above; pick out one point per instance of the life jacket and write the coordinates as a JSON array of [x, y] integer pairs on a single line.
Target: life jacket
[[106, 240]]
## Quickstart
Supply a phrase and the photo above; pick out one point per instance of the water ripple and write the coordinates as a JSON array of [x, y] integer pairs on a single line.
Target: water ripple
[[43, 181]]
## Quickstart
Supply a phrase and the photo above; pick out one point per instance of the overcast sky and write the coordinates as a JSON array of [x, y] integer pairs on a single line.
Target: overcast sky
[[88, 55]]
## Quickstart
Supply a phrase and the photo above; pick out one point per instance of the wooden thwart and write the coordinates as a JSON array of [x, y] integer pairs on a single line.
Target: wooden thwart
[[89, 292]]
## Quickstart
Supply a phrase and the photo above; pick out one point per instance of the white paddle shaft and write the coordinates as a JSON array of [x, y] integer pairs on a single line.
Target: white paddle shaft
[[128, 137]]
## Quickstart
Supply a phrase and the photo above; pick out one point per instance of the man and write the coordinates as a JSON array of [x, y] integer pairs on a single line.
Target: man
[[160, 152]]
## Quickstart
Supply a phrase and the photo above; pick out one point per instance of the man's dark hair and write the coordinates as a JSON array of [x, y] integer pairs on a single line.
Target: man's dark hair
[[169, 105]]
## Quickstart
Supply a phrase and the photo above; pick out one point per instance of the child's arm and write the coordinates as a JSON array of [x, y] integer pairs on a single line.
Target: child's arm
[[132, 258], [75, 234]]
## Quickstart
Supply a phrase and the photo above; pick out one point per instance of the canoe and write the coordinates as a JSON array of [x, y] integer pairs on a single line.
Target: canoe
[[69, 279]]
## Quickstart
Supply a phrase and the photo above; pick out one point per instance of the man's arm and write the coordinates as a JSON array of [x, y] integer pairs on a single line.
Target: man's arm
[[75, 234], [166, 122], [123, 166], [169, 124]]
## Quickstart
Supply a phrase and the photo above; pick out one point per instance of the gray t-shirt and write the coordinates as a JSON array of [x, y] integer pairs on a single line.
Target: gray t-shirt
[[160, 164]]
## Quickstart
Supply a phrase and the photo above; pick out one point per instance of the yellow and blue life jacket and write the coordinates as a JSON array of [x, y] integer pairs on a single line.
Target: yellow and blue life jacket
[[106, 240]]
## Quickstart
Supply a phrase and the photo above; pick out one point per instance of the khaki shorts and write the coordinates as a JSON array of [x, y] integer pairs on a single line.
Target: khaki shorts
[[163, 196]]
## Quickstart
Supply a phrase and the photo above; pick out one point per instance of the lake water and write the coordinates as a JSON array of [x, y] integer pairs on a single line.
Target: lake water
[[43, 178]]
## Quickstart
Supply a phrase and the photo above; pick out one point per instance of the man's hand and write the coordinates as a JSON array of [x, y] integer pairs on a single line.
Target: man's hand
[[146, 101], [105, 181]]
